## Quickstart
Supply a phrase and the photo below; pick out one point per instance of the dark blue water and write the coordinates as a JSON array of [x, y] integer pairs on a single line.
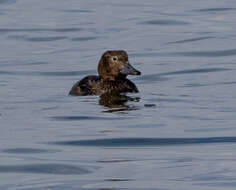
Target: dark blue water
[[179, 132]]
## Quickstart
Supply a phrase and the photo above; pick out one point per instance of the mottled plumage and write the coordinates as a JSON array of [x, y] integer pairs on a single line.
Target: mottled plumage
[[113, 69]]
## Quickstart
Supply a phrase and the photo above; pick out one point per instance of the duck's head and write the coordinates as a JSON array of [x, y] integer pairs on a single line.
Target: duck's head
[[114, 65]]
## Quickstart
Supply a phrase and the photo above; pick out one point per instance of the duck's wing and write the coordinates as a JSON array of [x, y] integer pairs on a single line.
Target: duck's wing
[[85, 86]]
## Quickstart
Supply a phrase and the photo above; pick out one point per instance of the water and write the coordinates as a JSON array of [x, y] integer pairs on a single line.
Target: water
[[177, 133]]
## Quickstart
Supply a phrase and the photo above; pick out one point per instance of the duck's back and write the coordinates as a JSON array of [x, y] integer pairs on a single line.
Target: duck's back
[[87, 86]]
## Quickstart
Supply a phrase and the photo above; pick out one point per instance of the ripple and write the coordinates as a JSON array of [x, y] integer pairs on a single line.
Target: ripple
[[175, 100], [7, 1], [215, 9], [78, 118], [190, 40], [116, 161], [37, 63], [207, 84], [27, 150], [162, 76], [56, 169], [149, 54], [77, 11], [122, 142], [150, 105], [217, 53], [17, 63], [8, 30], [192, 71], [151, 78], [165, 22], [40, 39], [45, 39], [117, 179], [70, 186], [83, 39], [56, 73]]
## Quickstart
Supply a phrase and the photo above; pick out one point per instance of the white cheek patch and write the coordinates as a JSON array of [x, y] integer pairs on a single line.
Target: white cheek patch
[[122, 66]]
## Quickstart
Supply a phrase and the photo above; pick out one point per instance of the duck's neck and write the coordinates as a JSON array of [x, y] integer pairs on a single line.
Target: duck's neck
[[112, 82], [112, 85], [110, 78]]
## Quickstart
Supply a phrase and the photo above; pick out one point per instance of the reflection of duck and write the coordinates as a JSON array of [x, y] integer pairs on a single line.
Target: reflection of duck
[[113, 69], [116, 100]]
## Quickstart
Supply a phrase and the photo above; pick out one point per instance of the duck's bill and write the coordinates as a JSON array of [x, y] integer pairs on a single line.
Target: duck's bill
[[130, 70]]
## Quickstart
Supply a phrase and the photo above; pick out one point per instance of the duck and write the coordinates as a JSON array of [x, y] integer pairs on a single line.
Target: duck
[[113, 69]]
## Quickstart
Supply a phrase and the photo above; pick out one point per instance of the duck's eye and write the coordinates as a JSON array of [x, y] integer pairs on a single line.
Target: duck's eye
[[114, 58]]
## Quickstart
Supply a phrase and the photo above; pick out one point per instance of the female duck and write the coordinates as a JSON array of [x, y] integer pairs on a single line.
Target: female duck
[[113, 69]]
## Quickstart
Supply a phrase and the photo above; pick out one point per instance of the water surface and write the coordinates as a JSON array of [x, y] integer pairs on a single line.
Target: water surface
[[177, 133]]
